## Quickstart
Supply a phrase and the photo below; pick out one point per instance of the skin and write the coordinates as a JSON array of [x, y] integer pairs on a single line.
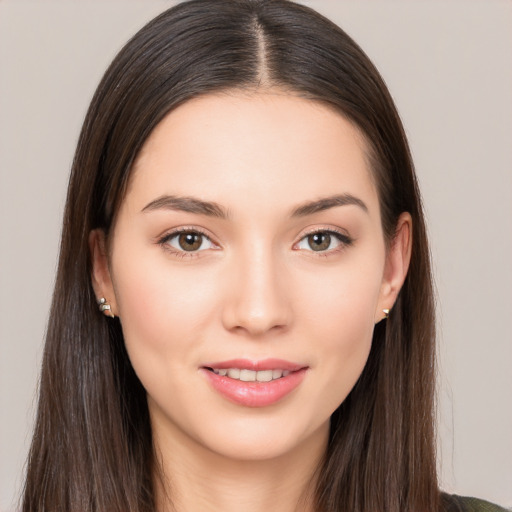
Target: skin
[[255, 289]]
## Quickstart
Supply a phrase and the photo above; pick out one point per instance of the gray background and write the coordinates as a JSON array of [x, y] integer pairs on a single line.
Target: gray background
[[448, 65]]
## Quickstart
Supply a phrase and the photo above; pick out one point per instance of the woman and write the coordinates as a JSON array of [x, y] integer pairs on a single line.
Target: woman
[[244, 211]]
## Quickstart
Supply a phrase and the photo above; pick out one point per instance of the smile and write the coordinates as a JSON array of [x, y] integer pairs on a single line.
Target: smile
[[250, 375]]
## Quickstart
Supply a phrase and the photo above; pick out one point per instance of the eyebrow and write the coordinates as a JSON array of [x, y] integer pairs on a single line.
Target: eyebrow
[[187, 204], [328, 202], [212, 209]]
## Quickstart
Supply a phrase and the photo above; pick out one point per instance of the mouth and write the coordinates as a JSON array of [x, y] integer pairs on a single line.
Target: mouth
[[254, 384]]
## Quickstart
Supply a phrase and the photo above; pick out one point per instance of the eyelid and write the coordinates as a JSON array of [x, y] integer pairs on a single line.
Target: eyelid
[[325, 229]]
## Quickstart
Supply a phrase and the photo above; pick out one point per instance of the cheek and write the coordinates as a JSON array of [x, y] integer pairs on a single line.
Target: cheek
[[163, 310], [342, 300], [340, 323]]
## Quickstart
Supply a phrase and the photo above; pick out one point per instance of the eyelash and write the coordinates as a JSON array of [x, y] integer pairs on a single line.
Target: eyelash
[[344, 239]]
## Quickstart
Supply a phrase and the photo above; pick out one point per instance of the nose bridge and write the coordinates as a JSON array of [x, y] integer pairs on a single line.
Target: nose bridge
[[258, 301]]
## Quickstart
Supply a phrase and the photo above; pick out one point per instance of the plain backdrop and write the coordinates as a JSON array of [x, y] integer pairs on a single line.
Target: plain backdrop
[[448, 66]]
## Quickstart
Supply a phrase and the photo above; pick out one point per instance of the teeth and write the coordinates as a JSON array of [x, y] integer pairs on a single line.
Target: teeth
[[276, 374], [248, 375], [264, 375], [251, 375], [234, 373]]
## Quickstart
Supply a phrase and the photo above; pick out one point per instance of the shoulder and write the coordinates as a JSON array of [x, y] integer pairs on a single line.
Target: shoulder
[[454, 503]]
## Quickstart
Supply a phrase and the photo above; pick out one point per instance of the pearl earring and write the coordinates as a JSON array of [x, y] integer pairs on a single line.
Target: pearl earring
[[105, 308]]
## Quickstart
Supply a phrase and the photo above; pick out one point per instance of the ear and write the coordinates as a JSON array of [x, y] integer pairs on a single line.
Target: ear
[[398, 258], [100, 273]]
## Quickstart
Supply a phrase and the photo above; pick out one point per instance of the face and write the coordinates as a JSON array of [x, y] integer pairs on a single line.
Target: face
[[248, 269]]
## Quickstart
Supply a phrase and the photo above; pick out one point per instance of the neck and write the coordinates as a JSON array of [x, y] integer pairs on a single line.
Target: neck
[[192, 477]]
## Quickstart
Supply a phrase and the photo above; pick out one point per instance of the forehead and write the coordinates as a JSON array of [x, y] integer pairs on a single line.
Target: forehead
[[271, 147]]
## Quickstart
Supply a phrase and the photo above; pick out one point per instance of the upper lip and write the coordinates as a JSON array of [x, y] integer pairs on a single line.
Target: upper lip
[[263, 364]]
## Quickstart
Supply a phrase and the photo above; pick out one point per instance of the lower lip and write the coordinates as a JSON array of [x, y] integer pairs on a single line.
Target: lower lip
[[255, 394]]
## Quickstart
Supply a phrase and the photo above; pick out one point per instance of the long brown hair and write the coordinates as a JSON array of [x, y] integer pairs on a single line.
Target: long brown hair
[[92, 446]]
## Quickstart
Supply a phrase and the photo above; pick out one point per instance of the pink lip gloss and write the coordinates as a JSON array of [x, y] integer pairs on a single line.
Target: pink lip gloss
[[253, 393]]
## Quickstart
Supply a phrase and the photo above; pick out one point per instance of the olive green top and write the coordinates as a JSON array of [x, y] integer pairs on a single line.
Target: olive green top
[[466, 504]]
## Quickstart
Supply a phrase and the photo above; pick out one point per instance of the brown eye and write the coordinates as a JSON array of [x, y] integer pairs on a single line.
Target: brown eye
[[319, 241], [324, 241], [190, 241]]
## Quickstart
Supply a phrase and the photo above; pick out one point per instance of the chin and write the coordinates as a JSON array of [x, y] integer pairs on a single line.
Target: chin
[[264, 438]]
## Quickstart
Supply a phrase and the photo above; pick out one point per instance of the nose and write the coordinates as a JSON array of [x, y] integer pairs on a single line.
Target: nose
[[257, 300]]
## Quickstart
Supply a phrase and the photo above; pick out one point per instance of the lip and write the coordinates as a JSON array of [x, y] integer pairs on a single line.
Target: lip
[[264, 364], [255, 394]]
